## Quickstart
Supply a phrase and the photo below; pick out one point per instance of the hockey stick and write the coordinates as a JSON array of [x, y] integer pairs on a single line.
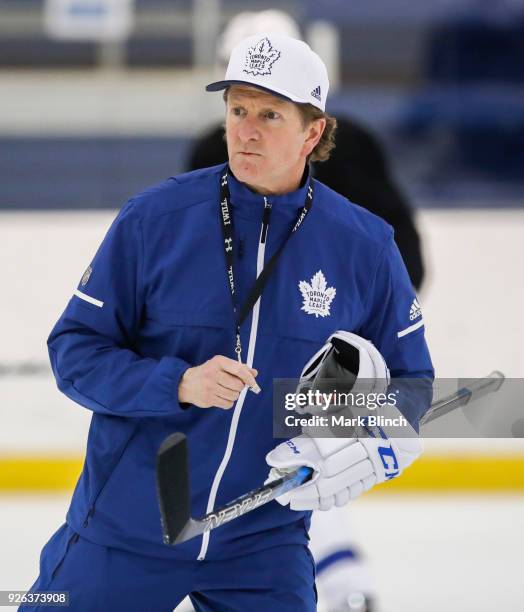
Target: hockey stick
[[173, 474], [173, 494], [463, 396]]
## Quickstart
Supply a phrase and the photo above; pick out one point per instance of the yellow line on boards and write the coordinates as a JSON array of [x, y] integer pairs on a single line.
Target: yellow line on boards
[[429, 473], [39, 473], [456, 473]]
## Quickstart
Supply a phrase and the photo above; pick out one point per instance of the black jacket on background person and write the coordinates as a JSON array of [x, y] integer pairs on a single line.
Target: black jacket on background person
[[358, 170]]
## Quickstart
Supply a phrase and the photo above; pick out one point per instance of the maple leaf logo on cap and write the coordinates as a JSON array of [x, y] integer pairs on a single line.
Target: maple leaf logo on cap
[[260, 58]]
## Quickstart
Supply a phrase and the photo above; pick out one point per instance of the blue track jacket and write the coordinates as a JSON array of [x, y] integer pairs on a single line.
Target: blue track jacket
[[155, 300]]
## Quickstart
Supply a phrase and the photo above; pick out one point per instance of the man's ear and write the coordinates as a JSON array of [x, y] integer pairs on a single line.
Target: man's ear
[[314, 133]]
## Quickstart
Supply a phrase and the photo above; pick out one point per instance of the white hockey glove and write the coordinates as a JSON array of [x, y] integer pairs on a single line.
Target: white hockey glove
[[343, 468]]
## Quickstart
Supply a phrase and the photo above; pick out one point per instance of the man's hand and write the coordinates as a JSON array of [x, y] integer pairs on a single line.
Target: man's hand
[[344, 468], [217, 382]]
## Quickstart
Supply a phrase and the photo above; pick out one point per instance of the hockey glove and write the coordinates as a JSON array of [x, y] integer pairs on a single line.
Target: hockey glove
[[343, 467]]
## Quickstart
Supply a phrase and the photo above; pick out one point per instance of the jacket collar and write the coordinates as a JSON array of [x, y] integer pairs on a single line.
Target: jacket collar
[[250, 205]]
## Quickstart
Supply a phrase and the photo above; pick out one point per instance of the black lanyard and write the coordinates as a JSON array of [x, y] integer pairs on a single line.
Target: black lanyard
[[227, 233]]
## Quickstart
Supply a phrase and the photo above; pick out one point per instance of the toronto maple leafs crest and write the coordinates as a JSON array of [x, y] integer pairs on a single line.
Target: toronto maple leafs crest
[[260, 58], [317, 295]]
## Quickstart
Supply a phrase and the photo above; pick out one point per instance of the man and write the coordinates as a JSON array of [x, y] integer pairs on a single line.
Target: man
[[357, 168], [167, 332]]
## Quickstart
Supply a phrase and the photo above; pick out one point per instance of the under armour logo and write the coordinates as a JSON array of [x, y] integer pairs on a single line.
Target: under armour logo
[[228, 242]]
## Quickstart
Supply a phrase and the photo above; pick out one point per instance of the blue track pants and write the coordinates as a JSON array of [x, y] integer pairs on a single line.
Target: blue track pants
[[101, 578]]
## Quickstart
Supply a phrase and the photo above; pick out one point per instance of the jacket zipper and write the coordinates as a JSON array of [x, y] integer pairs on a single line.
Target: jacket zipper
[[240, 402]]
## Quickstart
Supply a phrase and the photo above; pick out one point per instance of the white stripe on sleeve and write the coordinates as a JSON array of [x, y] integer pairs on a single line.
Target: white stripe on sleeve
[[88, 298], [410, 329]]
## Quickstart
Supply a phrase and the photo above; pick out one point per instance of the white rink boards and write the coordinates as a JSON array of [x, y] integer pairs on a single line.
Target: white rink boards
[[431, 553], [471, 302]]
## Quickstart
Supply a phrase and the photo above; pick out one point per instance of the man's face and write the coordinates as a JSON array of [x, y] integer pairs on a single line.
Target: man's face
[[266, 140]]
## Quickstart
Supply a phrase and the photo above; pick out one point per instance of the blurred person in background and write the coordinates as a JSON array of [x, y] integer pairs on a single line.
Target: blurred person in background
[[357, 169]]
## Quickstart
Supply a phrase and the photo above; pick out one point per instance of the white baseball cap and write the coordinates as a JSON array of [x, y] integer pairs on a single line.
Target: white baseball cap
[[280, 65]]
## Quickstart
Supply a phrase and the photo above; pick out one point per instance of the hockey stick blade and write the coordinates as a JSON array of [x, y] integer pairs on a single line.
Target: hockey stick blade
[[174, 494], [172, 469]]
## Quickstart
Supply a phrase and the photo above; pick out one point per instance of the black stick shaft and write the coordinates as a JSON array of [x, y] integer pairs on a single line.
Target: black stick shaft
[[463, 396]]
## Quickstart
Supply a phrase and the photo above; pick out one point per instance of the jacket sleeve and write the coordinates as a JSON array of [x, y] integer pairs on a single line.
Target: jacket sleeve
[[395, 324], [91, 347]]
